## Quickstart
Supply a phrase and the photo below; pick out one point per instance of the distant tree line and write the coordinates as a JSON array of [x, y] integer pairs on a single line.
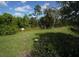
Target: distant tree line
[[68, 14]]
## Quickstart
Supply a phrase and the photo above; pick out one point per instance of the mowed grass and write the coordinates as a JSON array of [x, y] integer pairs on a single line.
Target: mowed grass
[[21, 43]]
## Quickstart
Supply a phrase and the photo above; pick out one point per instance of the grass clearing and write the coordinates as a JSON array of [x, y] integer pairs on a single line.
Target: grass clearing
[[21, 43]]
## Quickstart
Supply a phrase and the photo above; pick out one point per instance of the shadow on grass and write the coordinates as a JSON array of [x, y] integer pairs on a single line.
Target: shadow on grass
[[56, 44], [76, 30]]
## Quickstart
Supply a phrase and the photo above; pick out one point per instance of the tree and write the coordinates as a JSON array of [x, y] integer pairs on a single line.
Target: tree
[[19, 22], [33, 22], [26, 21], [48, 20], [37, 10], [7, 24], [70, 12], [6, 18], [52, 13], [23, 22]]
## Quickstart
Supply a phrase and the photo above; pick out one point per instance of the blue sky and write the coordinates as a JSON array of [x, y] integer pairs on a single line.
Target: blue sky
[[19, 8]]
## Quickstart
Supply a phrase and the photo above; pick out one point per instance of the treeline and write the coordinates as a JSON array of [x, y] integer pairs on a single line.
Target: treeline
[[10, 24], [66, 15]]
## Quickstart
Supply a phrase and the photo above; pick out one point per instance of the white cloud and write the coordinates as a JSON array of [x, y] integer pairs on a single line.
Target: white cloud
[[23, 8], [44, 6], [47, 4], [3, 3], [23, 1], [59, 8], [18, 14]]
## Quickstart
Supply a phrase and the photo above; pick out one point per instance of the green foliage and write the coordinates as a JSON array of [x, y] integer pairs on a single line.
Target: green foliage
[[37, 9], [33, 22], [70, 12], [6, 19], [23, 22], [50, 19], [7, 24], [7, 30], [56, 44], [46, 22], [21, 44]]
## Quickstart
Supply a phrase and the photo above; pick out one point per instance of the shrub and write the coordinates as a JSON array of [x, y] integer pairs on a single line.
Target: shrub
[[8, 24], [56, 44], [7, 29]]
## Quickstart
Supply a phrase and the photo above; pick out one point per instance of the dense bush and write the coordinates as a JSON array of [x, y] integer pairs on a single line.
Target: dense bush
[[7, 29], [33, 22], [7, 24], [56, 44]]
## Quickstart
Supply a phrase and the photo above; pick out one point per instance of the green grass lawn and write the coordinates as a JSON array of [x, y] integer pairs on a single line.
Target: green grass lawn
[[21, 43]]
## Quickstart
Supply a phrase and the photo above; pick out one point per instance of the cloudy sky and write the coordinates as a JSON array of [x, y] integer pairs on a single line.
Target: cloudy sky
[[19, 8]]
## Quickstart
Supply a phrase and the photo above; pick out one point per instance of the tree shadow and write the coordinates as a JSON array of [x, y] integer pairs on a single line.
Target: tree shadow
[[56, 44], [76, 30]]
